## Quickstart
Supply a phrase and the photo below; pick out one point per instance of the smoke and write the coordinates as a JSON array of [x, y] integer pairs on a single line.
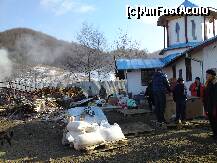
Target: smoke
[[5, 65], [42, 49], [37, 49]]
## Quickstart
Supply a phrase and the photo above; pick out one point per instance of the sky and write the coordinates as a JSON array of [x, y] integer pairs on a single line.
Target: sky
[[63, 18]]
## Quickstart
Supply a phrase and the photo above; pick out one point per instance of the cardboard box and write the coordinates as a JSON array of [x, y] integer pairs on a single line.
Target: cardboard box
[[194, 107], [170, 109]]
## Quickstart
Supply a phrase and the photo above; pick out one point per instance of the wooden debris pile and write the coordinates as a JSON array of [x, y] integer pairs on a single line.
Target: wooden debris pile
[[18, 104]]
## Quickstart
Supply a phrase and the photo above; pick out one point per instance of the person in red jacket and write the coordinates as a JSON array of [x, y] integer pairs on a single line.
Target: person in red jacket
[[197, 88]]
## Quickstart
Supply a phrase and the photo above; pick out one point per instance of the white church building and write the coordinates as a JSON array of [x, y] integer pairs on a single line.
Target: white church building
[[190, 48]]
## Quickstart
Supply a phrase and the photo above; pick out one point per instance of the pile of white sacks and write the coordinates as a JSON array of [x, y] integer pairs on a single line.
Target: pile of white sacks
[[82, 134]]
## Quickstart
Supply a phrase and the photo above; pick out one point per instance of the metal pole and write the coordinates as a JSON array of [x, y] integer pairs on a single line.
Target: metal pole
[[202, 76], [126, 80]]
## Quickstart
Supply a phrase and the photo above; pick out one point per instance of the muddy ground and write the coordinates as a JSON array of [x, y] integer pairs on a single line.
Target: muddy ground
[[37, 141]]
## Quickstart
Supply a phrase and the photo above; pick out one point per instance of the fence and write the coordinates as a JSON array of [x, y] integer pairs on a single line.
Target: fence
[[110, 86]]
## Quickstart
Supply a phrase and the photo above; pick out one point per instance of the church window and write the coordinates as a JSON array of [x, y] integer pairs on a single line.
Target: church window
[[177, 31], [193, 30], [205, 33], [188, 69]]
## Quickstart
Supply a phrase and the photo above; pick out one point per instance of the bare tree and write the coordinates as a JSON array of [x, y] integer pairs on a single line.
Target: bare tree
[[125, 47], [93, 44]]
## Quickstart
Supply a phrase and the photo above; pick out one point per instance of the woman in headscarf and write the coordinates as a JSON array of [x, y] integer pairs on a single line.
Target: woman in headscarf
[[210, 100]]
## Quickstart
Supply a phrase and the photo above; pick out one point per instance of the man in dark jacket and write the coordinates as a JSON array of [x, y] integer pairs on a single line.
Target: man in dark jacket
[[210, 99], [149, 94], [180, 96], [102, 92], [160, 87]]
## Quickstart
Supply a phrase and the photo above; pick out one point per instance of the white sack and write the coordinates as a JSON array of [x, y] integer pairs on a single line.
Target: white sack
[[94, 127], [77, 126], [70, 136], [88, 139], [112, 133]]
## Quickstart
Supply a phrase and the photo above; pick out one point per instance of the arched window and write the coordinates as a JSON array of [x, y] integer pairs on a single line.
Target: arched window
[[177, 31], [193, 30], [205, 34]]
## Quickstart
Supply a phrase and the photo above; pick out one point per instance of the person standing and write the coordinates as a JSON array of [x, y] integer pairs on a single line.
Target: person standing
[[180, 96], [160, 86], [197, 88], [173, 83], [210, 99], [102, 92], [90, 92]]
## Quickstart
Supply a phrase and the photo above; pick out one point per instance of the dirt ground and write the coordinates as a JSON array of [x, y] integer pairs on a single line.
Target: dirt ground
[[37, 141]]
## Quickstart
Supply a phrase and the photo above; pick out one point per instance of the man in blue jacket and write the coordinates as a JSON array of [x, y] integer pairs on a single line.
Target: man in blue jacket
[[160, 87]]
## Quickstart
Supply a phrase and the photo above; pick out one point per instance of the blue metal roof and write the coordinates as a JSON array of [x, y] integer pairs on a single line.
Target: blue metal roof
[[129, 64], [187, 3], [180, 45], [166, 60]]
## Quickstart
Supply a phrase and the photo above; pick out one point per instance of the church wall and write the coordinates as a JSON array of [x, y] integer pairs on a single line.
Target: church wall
[[134, 84], [168, 72], [210, 57], [209, 29], [198, 28], [172, 31]]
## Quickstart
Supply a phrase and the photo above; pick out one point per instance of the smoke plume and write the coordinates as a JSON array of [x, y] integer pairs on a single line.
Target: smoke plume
[[5, 65]]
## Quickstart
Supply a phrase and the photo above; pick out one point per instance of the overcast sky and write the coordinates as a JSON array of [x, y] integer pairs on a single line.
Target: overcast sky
[[63, 18]]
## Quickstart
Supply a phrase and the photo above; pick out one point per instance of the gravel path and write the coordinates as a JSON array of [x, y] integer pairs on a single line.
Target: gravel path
[[41, 141]]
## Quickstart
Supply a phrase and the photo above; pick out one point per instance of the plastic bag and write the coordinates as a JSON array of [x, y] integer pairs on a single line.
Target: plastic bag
[[98, 117], [123, 101], [131, 103]]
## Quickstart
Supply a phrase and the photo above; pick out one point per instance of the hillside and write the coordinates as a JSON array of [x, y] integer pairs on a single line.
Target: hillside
[[27, 46]]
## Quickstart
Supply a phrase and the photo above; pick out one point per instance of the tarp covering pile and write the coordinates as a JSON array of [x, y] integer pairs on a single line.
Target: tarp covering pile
[[88, 126]]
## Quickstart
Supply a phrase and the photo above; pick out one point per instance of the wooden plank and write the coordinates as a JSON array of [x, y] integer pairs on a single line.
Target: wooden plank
[[127, 112], [105, 146], [78, 103], [110, 108], [136, 128]]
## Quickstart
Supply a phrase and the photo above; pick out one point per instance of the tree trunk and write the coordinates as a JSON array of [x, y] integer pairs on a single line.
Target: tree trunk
[[88, 65]]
